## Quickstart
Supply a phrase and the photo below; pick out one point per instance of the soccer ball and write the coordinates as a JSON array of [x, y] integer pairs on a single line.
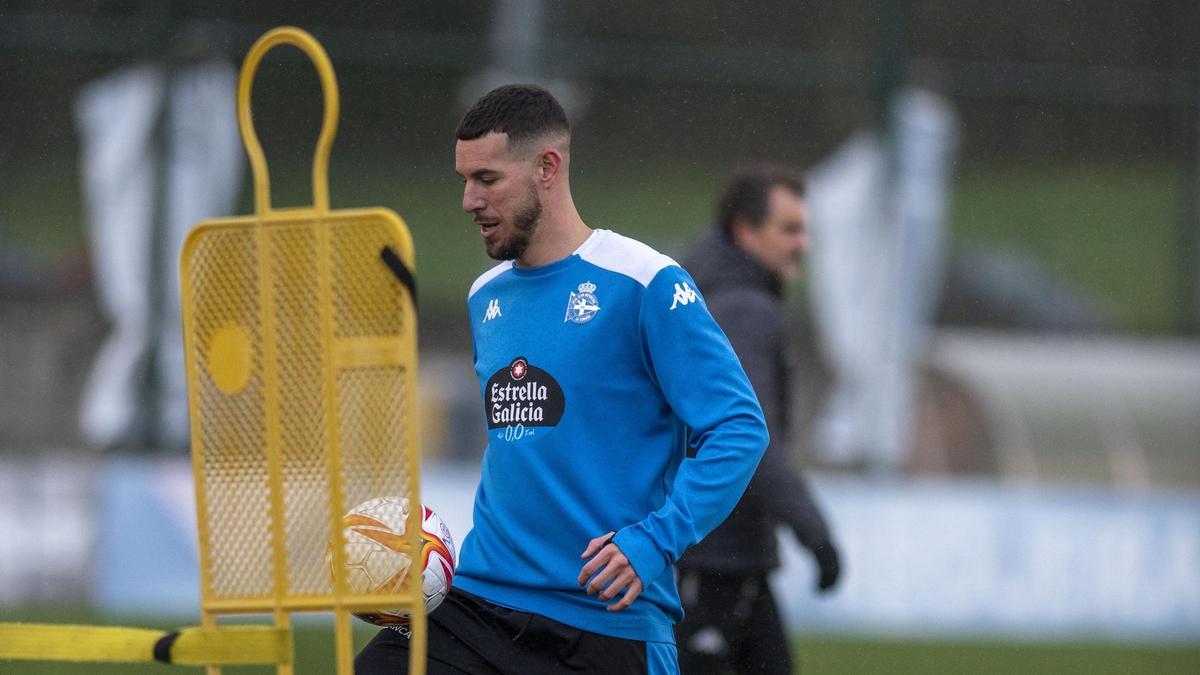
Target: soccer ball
[[376, 561]]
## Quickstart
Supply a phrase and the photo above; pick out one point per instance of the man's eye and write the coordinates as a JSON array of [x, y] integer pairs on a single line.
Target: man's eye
[[488, 180]]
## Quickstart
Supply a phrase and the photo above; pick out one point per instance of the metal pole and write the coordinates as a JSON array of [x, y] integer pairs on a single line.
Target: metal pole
[[1188, 232], [1189, 228], [150, 428], [891, 53]]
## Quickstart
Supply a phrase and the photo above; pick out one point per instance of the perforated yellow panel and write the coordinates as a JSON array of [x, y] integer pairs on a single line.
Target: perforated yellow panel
[[275, 399], [230, 421], [301, 357], [303, 437]]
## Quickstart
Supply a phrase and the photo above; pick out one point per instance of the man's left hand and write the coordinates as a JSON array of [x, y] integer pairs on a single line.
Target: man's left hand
[[612, 571], [829, 566]]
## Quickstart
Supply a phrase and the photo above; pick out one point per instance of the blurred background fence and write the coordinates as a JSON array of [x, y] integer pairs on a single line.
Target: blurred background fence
[[1064, 347]]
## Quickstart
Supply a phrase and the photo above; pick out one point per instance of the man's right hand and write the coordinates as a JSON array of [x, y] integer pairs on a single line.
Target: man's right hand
[[610, 573]]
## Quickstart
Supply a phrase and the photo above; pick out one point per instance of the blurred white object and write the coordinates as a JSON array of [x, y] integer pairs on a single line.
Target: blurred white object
[[203, 175], [516, 43], [1069, 408], [942, 557], [876, 213], [126, 176], [47, 515]]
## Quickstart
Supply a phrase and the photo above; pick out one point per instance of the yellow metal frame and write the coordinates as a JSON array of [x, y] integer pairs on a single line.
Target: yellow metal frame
[[252, 355], [229, 645], [324, 434]]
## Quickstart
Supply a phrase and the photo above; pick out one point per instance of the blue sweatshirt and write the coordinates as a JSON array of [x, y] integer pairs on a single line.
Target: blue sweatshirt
[[597, 372]]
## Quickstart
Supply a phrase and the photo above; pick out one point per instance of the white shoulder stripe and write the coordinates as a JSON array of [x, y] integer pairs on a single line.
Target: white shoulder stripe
[[623, 255], [488, 276]]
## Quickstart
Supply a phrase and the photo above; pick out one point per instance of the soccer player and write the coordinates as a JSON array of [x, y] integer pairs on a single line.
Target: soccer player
[[599, 364], [741, 264]]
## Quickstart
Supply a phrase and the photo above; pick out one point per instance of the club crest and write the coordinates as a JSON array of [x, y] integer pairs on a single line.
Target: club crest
[[582, 305]]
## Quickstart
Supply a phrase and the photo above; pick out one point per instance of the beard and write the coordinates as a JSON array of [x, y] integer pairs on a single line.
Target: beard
[[524, 224]]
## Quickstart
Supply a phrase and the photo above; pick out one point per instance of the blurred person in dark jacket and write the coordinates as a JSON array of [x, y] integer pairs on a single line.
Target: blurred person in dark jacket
[[740, 265]]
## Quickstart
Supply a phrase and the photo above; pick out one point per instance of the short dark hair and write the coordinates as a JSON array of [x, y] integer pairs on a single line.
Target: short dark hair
[[745, 196], [523, 111]]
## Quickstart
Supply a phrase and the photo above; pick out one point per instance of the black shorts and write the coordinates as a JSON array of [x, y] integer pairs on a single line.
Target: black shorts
[[470, 635], [730, 622]]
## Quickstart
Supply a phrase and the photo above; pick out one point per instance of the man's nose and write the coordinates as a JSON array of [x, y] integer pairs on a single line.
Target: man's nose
[[472, 201]]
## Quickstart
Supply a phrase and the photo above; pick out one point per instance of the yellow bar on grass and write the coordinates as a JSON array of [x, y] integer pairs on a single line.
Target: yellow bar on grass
[[228, 645]]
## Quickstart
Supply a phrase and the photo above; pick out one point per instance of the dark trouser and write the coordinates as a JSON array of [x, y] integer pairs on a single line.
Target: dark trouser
[[469, 635], [730, 622]]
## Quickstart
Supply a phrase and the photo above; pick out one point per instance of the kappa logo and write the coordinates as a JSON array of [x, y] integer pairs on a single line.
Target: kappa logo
[[493, 310], [684, 295]]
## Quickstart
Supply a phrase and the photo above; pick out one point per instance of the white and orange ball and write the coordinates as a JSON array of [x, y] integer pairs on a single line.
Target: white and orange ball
[[377, 561]]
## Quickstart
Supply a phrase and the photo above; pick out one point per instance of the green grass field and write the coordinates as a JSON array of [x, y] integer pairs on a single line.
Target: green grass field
[[817, 654], [929, 657], [1111, 230]]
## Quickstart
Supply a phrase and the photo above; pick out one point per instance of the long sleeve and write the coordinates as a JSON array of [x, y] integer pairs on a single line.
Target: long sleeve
[[755, 328], [705, 385]]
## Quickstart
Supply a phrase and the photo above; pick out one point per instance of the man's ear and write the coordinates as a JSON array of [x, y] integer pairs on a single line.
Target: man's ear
[[739, 229], [549, 167]]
